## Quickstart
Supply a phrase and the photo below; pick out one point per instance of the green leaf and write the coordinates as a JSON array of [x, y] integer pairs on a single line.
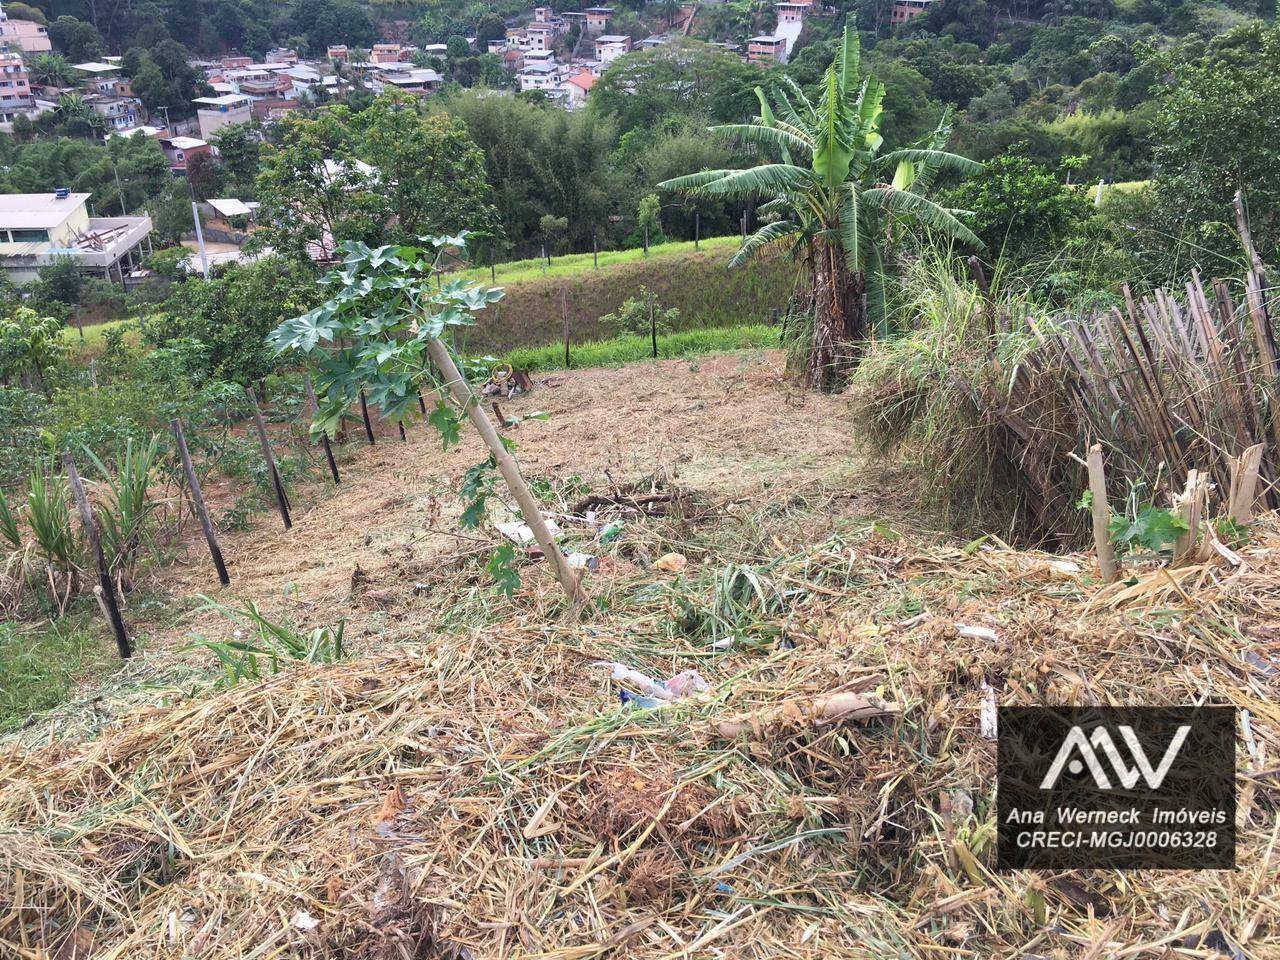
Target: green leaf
[[1154, 528], [446, 421], [501, 567]]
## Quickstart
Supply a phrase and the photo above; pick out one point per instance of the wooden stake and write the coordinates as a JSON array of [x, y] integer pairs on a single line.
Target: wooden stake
[[564, 314], [1101, 516], [282, 500], [197, 500], [653, 330], [422, 404], [364, 412], [403, 438], [314, 406], [595, 252], [510, 471], [108, 601], [697, 230]]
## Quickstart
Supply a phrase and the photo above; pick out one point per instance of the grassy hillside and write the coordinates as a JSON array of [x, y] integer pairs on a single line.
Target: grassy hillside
[[698, 283]]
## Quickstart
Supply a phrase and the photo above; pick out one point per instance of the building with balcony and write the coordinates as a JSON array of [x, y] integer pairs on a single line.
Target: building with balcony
[[39, 229], [121, 114], [226, 110], [15, 87], [791, 12], [338, 52]]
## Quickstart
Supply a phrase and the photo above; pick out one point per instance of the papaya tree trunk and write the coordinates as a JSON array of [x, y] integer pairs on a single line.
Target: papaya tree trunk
[[839, 318], [457, 384]]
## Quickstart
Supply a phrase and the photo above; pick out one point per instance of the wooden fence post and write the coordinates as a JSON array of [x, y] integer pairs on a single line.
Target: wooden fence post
[[364, 412], [1101, 515], [314, 406], [282, 500], [697, 229], [653, 330], [197, 499], [1244, 483], [595, 252], [105, 591]]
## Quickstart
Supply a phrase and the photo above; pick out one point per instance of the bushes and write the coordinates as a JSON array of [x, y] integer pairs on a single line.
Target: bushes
[[220, 325]]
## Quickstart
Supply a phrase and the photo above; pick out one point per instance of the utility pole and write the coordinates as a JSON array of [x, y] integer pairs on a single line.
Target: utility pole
[[204, 257]]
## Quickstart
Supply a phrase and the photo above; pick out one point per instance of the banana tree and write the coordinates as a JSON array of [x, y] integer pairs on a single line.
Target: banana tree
[[836, 199]]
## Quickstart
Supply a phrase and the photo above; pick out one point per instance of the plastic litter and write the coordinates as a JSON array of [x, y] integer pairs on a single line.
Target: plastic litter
[[642, 690]]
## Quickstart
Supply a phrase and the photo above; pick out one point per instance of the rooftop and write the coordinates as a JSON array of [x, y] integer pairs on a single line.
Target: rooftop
[[38, 211], [612, 38], [186, 143], [96, 67], [540, 68], [226, 100], [768, 39], [585, 80]]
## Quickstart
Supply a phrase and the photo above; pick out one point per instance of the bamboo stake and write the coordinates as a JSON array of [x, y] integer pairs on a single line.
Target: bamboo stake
[[106, 589], [1244, 483], [1101, 516], [509, 469], [282, 500], [197, 499]]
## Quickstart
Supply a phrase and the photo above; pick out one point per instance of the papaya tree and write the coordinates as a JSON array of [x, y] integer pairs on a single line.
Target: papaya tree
[[385, 332], [833, 199]]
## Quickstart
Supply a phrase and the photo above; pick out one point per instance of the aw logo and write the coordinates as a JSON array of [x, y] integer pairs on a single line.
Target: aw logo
[[1088, 746], [1150, 788]]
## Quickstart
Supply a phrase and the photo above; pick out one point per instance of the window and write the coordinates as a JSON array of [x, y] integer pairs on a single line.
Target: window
[[29, 236]]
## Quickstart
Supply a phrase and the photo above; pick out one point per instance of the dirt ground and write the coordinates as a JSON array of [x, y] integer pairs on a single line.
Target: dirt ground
[[726, 428]]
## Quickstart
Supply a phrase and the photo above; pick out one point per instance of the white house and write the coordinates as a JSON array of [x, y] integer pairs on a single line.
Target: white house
[[39, 229], [610, 47], [539, 76]]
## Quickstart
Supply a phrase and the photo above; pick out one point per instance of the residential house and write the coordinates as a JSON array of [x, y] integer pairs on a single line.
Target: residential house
[[577, 87], [598, 18], [38, 229], [539, 76], [15, 87], [791, 12], [540, 36], [339, 52], [282, 55], [904, 11], [417, 80], [226, 110], [25, 35], [610, 47], [96, 77], [766, 48], [179, 151], [513, 59], [539, 56], [236, 62], [657, 40], [498, 46], [543, 15], [121, 114], [383, 53]]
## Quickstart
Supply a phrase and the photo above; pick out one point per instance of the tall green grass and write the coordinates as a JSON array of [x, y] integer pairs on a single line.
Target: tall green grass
[[576, 264], [630, 349]]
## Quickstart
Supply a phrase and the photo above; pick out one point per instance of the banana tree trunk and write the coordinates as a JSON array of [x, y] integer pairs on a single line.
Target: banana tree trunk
[[839, 318]]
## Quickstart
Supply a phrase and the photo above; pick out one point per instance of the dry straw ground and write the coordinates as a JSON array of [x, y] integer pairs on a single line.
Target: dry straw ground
[[468, 784]]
